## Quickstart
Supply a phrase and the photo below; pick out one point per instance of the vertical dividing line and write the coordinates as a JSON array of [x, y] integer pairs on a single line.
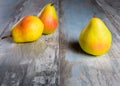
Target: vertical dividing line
[[62, 42], [59, 29]]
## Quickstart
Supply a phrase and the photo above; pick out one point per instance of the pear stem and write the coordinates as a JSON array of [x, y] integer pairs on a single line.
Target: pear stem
[[6, 36], [94, 15], [52, 4]]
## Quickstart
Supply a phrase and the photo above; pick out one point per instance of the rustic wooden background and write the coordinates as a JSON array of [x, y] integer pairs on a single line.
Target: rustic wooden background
[[57, 59], [27, 64], [78, 68]]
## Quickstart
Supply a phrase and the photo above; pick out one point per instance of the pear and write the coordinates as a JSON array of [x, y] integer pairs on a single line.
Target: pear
[[28, 29], [95, 38], [49, 18]]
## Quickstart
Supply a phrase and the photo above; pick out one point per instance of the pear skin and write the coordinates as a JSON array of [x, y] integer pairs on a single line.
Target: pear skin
[[49, 18], [28, 29], [95, 38]]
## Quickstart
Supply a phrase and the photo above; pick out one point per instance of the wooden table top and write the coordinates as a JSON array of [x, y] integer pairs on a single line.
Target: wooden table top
[[56, 59]]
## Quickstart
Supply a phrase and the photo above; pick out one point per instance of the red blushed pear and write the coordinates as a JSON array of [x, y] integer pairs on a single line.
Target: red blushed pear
[[28, 29], [95, 38], [49, 18]]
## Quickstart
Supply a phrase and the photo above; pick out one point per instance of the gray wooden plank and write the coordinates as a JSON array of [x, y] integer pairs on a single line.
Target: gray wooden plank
[[8, 10], [78, 68], [28, 64]]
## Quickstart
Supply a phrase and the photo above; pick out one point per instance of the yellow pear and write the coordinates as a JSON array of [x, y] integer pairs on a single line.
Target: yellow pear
[[28, 29], [49, 18], [95, 38]]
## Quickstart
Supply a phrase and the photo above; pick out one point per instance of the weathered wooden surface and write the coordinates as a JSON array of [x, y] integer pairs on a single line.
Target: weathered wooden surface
[[37, 63], [78, 68], [27, 64]]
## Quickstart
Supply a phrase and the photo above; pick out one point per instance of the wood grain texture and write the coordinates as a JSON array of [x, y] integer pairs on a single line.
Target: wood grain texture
[[78, 68], [27, 64], [37, 63]]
